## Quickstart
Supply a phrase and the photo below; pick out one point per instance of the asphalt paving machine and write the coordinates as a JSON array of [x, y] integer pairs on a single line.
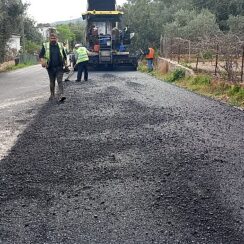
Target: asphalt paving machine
[[106, 38]]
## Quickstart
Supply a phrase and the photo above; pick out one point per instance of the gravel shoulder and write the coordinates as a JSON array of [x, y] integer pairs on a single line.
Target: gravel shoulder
[[126, 159]]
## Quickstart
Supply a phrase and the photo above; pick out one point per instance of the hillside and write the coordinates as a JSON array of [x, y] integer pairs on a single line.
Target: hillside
[[67, 21]]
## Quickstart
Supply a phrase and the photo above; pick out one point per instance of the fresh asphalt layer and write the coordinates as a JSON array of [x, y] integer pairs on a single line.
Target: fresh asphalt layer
[[125, 159]]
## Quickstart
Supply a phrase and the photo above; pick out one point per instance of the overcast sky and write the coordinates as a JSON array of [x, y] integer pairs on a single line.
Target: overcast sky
[[47, 11]]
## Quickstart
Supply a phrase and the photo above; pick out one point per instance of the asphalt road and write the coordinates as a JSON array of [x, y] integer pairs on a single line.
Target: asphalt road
[[126, 159]]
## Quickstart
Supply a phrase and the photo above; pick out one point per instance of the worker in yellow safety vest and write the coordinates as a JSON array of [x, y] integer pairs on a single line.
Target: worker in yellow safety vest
[[81, 57], [53, 58]]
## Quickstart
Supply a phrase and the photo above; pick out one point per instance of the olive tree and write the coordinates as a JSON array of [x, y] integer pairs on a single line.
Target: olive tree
[[236, 25], [192, 25]]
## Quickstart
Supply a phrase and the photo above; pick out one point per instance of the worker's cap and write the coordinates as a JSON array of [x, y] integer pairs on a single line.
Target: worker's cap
[[78, 45]]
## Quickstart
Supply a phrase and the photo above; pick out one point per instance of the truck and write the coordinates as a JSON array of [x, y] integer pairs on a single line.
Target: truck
[[107, 39]]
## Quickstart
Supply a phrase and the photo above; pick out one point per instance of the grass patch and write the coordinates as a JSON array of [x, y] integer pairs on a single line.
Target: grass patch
[[201, 80], [142, 67], [19, 66], [236, 94], [220, 90], [205, 85], [176, 75]]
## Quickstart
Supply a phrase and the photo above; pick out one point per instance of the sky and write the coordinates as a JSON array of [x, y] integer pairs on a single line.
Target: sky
[[48, 11]]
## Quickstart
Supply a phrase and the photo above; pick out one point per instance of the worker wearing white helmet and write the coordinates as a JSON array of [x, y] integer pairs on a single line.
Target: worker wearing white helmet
[[81, 57], [78, 45]]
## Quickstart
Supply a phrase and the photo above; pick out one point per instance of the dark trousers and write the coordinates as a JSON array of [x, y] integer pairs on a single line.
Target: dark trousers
[[56, 73], [82, 66], [150, 64]]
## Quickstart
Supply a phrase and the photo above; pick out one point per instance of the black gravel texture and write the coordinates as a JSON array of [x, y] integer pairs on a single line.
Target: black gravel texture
[[126, 159]]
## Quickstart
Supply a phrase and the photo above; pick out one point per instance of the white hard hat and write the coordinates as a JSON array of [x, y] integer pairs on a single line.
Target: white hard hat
[[77, 45]]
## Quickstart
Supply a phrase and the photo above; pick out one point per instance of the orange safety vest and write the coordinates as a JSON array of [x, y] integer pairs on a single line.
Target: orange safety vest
[[151, 53]]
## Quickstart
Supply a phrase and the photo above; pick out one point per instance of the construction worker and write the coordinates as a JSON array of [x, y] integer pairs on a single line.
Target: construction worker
[[115, 38], [92, 36], [150, 53], [81, 57], [53, 58]]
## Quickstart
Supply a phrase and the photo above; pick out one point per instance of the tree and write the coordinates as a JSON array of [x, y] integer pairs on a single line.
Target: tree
[[140, 15], [222, 9], [203, 25], [11, 14], [236, 25], [31, 32], [32, 47], [72, 32], [65, 33], [78, 29]]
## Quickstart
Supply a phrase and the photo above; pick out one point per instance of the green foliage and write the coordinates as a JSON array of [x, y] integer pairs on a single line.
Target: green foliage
[[11, 12], [142, 67], [240, 95], [188, 19], [72, 32], [176, 75], [12, 67], [208, 54], [191, 25], [14, 20], [203, 84], [236, 24], [202, 25], [201, 80], [78, 29], [31, 32], [144, 20], [183, 17], [64, 33], [221, 9], [234, 90], [32, 47], [236, 94]]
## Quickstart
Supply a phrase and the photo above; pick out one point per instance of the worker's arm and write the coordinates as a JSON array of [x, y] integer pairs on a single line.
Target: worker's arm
[[87, 51], [41, 57]]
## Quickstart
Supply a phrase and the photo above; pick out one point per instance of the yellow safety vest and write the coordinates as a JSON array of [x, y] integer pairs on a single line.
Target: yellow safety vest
[[47, 50], [82, 55]]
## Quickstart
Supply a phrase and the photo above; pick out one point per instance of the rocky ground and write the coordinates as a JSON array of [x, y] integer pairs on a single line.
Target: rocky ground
[[126, 159]]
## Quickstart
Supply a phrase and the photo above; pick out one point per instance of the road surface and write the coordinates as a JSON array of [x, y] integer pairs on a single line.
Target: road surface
[[126, 159]]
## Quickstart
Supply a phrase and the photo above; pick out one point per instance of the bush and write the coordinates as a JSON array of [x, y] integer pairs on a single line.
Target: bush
[[176, 75], [32, 47], [201, 80], [142, 67], [208, 54], [237, 92], [240, 95], [218, 88], [234, 90]]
